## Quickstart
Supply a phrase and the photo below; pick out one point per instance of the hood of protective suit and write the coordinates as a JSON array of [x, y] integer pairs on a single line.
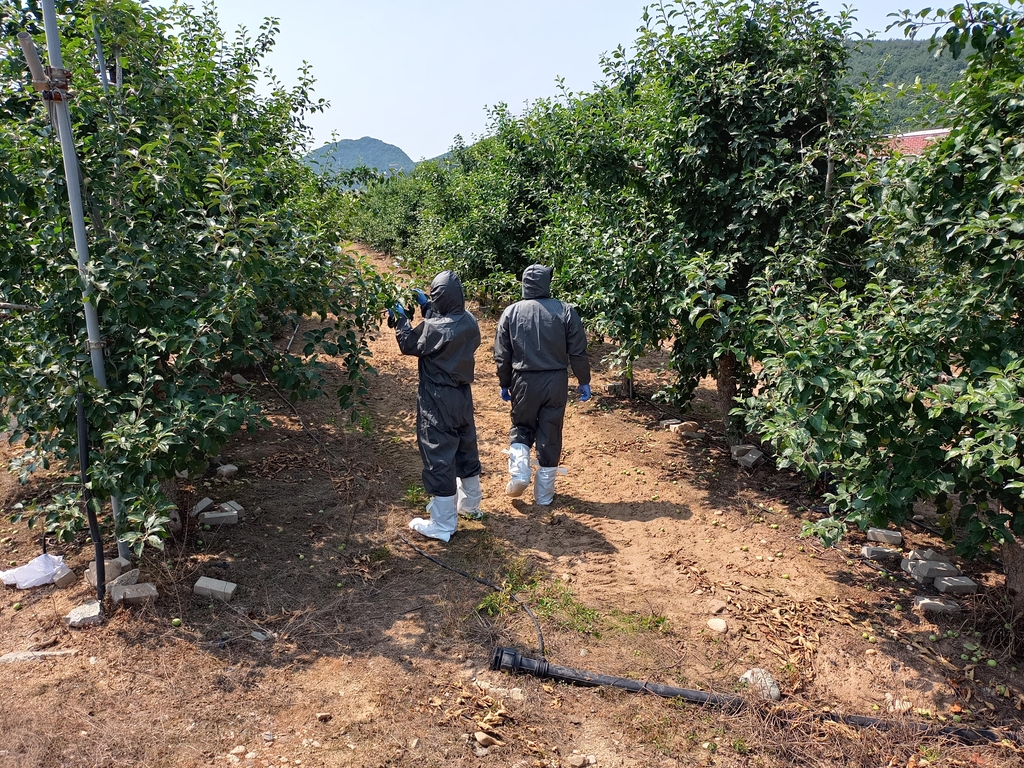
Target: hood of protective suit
[[446, 293], [537, 282]]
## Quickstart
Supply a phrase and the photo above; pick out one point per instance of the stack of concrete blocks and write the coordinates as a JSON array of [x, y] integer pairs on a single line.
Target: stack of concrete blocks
[[121, 583], [210, 513], [215, 588], [111, 570], [201, 507], [928, 568], [925, 567], [224, 514]]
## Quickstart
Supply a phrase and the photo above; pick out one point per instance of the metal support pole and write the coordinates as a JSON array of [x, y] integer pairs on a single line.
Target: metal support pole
[[59, 100]]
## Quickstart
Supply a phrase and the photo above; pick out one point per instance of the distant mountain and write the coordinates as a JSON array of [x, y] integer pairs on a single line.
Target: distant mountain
[[901, 62], [351, 153]]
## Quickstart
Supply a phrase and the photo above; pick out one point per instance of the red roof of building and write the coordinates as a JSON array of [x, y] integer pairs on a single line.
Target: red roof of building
[[914, 143]]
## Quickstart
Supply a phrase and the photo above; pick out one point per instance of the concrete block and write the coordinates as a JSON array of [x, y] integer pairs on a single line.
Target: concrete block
[[240, 380], [215, 588], [956, 585], [124, 580], [85, 615], [751, 459], [617, 389], [676, 428], [201, 507], [219, 517], [666, 423], [885, 536], [64, 577], [134, 594], [935, 605], [697, 436], [920, 578], [123, 563], [227, 470], [111, 570], [233, 505], [927, 554], [879, 553], [932, 569], [741, 450]]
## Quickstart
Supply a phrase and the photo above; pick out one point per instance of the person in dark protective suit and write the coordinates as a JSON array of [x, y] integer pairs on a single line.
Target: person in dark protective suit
[[538, 338], [445, 343]]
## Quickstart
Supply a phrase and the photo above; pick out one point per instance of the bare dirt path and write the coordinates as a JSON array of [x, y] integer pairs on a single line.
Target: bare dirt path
[[346, 648]]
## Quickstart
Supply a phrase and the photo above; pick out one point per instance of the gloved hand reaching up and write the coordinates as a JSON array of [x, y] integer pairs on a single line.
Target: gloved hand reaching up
[[421, 297], [584, 390], [505, 395], [398, 311]]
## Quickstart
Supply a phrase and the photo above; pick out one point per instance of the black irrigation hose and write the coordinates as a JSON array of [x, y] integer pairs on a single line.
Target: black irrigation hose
[[83, 469], [486, 583], [511, 661]]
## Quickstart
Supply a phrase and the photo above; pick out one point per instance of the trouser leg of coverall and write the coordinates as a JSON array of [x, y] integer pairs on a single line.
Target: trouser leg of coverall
[[538, 411], [447, 443]]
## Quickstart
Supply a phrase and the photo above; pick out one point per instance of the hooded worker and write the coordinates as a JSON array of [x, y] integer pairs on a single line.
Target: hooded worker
[[445, 343], [538, 338]]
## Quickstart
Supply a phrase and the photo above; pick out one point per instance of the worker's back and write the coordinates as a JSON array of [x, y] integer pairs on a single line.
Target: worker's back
[[539, 333]]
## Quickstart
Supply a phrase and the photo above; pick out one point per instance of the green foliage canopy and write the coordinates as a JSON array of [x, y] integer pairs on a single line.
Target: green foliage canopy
[[208, 238], [911, 390]]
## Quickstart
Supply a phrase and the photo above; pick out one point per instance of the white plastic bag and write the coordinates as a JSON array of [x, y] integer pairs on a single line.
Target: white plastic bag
[[34, 573]]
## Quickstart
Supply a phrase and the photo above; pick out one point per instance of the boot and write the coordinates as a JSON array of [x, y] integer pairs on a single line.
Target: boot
[[544, 488], [444, 519], [469, 497], [518, 469]]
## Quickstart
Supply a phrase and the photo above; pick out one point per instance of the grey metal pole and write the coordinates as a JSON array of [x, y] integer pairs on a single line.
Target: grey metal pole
[[67, 147]]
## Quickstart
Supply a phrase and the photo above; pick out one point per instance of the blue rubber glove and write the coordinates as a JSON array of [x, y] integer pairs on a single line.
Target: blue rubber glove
[[421, 297], [505, 395], [399, 310], [584, 390]]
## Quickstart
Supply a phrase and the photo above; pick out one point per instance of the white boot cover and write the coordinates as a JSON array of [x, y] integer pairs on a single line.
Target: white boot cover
[[444, 519], [544, 488], [469, 497], [518, 469]]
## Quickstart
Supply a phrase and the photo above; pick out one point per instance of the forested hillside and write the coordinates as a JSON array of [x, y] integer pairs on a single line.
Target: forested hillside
[[890, 64], [353, 153]]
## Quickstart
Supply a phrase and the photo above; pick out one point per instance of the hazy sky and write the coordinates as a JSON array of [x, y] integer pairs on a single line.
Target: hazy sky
[[415, 73]]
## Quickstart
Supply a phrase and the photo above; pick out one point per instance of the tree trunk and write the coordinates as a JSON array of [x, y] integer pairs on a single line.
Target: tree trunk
[[728, 369], [1013, 565]]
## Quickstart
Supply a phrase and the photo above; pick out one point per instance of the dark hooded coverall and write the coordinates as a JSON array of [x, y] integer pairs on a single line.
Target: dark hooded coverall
[[538, 337], [445, 343]]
